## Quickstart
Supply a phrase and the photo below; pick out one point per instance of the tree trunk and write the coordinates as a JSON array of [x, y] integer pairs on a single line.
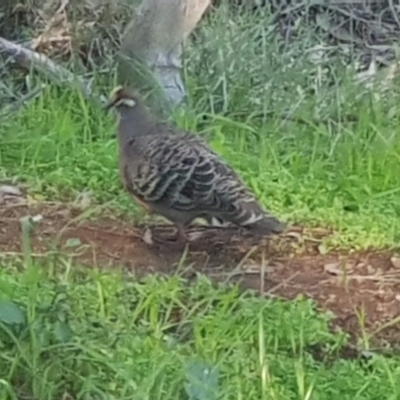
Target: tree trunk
[[151, 50]]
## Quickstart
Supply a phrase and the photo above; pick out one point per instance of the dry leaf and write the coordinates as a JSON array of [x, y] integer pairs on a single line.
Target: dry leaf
[[295, 235], [395, 262], [323, 249], [83, 200], [333, 268], [148, 237]]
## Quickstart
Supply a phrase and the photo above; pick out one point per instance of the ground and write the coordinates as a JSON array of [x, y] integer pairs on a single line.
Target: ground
[[361, 288], [98, 302]]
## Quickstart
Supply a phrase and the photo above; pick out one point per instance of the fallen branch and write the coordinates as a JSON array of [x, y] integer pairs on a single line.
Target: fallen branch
[[30, 59]]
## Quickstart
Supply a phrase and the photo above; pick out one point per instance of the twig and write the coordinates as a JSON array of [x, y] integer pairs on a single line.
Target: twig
[[114, 233], [281, 284], [237, 270], [5, 254]]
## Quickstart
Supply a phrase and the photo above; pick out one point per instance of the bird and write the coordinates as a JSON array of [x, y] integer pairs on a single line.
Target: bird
[[175, 174]]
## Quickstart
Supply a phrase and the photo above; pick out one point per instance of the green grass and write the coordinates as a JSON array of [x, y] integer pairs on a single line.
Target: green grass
[[105, 335], [316, 149], [339, 174]]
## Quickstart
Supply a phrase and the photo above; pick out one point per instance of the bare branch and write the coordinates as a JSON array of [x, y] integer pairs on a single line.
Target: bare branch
[[32, 60]]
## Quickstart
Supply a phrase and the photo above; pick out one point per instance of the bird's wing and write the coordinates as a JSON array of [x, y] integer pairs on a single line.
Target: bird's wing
[[181, 171]]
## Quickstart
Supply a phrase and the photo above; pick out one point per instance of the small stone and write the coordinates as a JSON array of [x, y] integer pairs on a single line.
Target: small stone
[[7, 190], [395, 262], [333, 268]]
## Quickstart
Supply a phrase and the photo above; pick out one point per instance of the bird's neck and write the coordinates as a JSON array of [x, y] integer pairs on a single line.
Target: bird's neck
[[133, 121]]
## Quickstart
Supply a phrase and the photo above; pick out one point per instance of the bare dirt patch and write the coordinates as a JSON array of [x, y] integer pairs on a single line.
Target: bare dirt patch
[[358, 286]]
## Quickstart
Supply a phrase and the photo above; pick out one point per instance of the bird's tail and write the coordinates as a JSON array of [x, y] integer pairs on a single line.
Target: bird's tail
[[266, 225], [252, 217]]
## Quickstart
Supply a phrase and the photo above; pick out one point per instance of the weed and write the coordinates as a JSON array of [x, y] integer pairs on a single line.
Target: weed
[[107, 335]]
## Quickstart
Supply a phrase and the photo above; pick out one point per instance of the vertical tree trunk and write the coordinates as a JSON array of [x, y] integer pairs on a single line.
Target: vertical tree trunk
[[151, 49]]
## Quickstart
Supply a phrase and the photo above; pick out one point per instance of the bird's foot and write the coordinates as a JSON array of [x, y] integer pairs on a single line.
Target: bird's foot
[[181, 237]]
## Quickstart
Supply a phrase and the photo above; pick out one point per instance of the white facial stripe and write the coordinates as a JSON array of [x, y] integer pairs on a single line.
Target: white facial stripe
[[126, 102]]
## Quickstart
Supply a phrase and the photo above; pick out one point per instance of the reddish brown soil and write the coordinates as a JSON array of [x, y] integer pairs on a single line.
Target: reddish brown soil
[[347, 283]]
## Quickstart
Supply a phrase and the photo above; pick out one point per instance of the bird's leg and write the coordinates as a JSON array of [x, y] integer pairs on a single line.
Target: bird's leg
[[181, 236]]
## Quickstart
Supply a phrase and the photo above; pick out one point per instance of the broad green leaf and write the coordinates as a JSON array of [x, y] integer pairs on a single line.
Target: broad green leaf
[[10, 313], [202, 381], [73, 242], [62, 332]]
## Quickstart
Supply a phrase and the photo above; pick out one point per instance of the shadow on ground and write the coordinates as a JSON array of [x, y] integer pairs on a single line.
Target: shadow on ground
[[350, 284]]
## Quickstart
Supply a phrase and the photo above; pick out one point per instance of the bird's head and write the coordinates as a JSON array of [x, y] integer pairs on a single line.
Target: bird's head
[[122, 97]]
